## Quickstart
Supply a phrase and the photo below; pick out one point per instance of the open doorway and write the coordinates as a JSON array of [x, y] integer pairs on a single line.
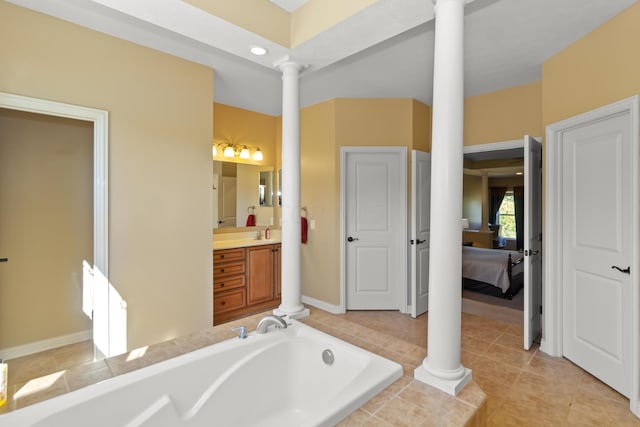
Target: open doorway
[[494, 237], [94, 270], [46, 223]]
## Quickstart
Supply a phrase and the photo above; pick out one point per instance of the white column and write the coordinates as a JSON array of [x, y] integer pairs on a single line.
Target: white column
[[442, 368], [291, 300]]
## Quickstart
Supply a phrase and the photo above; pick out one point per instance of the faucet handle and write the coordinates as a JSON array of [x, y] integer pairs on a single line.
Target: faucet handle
[[243, 331], [285, 318]]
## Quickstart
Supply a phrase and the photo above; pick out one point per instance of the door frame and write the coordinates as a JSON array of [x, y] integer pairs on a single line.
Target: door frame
[[552, 288], [344, 151], [100, 120]]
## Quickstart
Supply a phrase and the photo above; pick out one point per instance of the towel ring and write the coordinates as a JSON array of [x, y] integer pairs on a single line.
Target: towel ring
[[304, 211], [251, 209]]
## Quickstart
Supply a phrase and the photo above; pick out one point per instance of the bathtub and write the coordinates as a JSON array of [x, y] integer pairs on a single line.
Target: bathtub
[[275, 379]]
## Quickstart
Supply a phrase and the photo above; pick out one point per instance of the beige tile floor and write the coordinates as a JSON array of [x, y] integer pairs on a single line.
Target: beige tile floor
[[511, 387]]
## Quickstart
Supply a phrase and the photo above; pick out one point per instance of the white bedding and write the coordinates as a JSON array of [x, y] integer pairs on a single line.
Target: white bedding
[[490, 265]]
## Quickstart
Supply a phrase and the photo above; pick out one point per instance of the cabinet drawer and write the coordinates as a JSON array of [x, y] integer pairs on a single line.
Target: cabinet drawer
[[227, 269], [226, 255], [231, 282], [227, 301]]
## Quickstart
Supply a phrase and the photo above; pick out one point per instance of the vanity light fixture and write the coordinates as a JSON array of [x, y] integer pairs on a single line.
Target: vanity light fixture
[[258, 50], [241, 151]]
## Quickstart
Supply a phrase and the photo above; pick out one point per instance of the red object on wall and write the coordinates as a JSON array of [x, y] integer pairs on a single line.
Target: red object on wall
[[303, 229], [251, 220]]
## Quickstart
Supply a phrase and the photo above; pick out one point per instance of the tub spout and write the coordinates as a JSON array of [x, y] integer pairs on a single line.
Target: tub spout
[[266, 321]]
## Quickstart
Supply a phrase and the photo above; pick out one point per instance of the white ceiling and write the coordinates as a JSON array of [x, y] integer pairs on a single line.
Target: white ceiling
[[384, 51]]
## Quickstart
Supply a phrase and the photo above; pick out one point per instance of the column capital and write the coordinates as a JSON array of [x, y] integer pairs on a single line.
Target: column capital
[[289, 63], [466, 2]]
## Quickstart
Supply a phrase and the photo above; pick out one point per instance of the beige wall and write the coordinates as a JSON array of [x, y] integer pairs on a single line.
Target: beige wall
[[320, 193], [46, 220], [243, 127], [160, 167], [504, 115], [325, 128], [600, 68], [472, 200]]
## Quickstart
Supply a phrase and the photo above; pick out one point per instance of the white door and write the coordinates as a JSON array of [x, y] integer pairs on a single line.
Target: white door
[[532, 239], [420, 230], [216, 184], [375, 228], [227, 202], [597, 247]]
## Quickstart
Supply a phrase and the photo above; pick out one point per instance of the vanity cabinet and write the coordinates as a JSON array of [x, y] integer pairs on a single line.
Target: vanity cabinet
[[229, 279], [245, 281]]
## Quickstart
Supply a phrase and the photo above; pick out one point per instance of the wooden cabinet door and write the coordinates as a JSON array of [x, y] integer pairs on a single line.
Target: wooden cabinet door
[[260, 274]]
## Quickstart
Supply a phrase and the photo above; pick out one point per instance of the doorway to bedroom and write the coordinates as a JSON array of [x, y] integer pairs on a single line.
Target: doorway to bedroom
[[501, 232]]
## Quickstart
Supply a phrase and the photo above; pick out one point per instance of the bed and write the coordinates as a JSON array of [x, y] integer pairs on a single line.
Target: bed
[[492, 271]]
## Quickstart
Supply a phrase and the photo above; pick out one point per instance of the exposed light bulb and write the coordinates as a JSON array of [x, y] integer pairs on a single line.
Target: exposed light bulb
[[257, 155], [214, 151], [228, 151], [244, 153]]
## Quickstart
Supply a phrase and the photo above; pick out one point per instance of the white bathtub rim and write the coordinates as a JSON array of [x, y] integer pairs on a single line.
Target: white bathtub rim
[[36, 413], [39, 411]]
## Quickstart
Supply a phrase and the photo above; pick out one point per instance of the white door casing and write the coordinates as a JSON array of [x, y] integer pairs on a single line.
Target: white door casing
[[591, 309], [375, 231], [420, 230], [532, 239], [104, 337]]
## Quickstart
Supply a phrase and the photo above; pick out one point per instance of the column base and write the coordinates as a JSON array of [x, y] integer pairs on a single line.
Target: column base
[[449, 386], [299, 314]]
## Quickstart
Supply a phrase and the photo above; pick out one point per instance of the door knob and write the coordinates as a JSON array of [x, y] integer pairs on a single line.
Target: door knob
[[4, 259], [420, 241], [622, 270], [351, 239]]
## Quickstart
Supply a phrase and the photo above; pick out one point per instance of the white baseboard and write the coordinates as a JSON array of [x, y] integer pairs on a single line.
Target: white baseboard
[[48, 344], [333, 309]]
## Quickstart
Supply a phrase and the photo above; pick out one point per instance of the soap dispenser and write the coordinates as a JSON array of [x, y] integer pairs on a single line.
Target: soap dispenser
[[267, 233]]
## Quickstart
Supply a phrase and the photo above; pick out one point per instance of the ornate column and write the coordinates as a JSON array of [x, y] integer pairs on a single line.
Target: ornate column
[[291, 303], [442, 368]]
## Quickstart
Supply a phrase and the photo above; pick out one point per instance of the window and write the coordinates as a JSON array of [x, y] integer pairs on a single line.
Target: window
[[507, 216]]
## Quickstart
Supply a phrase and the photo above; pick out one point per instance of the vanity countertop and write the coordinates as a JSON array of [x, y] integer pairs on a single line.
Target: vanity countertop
[[242, 243]]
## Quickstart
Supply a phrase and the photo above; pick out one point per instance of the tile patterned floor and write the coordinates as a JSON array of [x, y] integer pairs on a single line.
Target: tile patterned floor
[[511, 387]]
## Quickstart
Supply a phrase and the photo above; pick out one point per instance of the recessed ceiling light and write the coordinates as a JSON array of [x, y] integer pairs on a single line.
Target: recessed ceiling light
[[258, 50]]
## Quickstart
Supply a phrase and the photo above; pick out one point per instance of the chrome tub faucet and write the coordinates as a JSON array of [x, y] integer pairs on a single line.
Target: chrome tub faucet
[[269, 320]]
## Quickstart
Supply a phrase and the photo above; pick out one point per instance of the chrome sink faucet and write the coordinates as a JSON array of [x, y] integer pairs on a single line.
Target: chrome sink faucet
[[269, 320]]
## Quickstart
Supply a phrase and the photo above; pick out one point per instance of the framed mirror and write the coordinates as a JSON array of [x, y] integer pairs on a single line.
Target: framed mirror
[[237, 189]]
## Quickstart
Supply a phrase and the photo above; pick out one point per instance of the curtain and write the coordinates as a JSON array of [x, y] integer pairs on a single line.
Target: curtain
[[496, 194], [518, 199]]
